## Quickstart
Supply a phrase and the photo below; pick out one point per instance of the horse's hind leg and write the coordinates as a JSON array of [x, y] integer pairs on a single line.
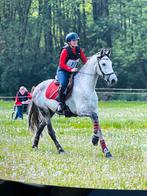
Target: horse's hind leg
[[47, 117], [53, 136], [98, 135], [38, 133]]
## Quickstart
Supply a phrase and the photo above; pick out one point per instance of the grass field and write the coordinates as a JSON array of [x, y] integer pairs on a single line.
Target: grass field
[[124, 126]]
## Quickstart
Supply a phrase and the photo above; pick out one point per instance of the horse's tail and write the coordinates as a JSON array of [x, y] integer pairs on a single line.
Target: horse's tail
[[33, 117]]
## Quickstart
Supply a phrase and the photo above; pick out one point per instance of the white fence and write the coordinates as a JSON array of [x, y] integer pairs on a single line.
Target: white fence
[[122, 94], [110, 94]]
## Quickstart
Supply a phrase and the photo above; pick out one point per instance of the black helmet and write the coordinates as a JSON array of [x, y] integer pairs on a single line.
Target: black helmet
[[71, 36]]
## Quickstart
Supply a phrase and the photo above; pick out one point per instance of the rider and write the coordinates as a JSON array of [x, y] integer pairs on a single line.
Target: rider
[[69, 57]]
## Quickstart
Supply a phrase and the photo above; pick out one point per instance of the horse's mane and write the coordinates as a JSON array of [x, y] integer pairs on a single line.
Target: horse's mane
[[90, 61]]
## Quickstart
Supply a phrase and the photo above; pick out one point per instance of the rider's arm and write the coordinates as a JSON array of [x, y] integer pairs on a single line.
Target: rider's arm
[[62, 61], [82, 56]]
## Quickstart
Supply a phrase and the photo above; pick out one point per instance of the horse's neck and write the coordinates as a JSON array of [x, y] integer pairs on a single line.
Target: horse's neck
[[86, 79]]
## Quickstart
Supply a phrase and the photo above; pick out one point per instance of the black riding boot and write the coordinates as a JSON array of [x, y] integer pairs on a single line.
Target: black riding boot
[[61, 99]]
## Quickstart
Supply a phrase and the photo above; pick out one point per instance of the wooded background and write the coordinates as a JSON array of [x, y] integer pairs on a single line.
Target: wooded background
[[32, 33]]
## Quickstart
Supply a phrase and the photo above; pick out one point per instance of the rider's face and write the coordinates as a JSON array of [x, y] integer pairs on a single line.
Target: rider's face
[[74, 43]]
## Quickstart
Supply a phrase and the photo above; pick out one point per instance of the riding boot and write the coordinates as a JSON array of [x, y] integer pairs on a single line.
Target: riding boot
[[61, 99]]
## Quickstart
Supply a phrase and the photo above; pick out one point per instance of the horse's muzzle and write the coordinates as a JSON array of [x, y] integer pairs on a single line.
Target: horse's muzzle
[[112, 80]]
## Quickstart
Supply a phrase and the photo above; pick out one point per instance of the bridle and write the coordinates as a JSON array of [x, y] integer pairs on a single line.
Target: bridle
[[103, 74], [96, 74]]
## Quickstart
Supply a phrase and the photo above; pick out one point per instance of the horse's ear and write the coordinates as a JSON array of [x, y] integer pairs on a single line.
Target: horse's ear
[[108, 52], [99, 55], [102, 52]]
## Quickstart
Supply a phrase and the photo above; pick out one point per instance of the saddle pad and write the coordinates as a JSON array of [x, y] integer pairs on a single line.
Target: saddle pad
[[52, 90]]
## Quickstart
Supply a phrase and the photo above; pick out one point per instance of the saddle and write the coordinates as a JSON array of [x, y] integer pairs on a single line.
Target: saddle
[[52, 91]]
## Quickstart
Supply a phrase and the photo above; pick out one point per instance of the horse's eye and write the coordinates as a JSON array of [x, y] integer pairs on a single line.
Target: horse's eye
[[103, 64]]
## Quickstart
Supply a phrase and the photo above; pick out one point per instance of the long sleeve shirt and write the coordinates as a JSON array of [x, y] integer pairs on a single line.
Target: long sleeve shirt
[[64, 55], [20, 98]]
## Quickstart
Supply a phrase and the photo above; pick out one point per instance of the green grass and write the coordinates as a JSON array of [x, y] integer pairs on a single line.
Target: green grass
[[124, 126]]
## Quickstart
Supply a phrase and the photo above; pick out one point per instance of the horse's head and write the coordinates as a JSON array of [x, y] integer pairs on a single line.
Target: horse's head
[[104, 67]]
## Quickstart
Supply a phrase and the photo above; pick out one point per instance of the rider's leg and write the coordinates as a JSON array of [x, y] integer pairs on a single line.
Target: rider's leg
[[61, 96], [63, 77]]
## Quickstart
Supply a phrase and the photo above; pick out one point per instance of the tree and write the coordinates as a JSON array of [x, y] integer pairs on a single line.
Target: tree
[[32, 33]]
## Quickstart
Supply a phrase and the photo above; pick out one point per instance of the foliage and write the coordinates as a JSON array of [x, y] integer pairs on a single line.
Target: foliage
[[32, 33]]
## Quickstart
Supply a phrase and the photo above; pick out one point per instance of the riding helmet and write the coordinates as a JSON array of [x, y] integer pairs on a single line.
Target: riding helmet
[[71, 36]]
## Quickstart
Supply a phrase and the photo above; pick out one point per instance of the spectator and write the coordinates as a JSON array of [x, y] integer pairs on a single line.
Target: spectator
[[22, 100]]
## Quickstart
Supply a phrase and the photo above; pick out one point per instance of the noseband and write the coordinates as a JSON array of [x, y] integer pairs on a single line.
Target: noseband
[[102, 72]]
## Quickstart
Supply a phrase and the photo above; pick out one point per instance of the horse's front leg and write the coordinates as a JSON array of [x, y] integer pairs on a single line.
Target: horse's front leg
[[98, 135]]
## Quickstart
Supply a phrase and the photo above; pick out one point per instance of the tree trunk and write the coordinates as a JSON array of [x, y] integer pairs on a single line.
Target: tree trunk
[[96, 6], [84, 26], [48, 30], [101, 9], [39, 25], [23, 11], [144, 72]]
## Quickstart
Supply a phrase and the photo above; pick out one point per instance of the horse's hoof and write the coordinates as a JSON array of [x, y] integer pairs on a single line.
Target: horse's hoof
[[95, 140], [61, 151], [108, 155], [34, 147]]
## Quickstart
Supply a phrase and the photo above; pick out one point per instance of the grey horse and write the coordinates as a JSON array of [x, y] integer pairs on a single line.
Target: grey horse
[[83, 101]]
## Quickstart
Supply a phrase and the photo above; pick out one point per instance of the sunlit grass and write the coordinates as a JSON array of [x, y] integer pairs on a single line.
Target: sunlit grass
[[124, 126]]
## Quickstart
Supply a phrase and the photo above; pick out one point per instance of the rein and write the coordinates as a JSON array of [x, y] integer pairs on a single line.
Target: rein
[[103, 74], [90, 74]]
